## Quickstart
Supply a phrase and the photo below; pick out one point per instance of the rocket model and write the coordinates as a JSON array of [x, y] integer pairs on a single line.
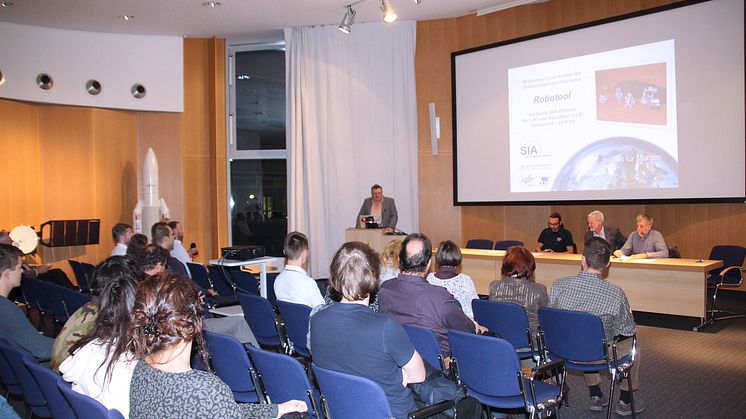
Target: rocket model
[[150, 208]]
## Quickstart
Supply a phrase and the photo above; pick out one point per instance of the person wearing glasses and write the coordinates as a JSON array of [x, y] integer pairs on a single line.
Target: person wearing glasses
[[555, 238]]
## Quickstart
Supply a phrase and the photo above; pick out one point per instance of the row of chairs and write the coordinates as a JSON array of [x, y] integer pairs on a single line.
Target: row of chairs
[[488, 244], [44, 393], [575, 337], [51, 299], [83, 273]]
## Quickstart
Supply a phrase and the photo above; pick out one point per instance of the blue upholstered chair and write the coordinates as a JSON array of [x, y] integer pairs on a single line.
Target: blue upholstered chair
[[578, 338], [484, 244], [505, 244], [84, 406], [232, 365], [284, 378], [36, 403], [345, 396], [46, 379], [729, 276], [490, 370], [510, 322], [295, 319], [426, 344], [260, 316], [82, 275]]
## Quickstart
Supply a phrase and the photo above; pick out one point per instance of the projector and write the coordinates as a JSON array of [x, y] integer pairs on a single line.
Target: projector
[[242, 252]]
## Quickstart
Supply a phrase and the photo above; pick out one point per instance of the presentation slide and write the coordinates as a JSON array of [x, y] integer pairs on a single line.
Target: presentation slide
[[648, 107], [596, 122]]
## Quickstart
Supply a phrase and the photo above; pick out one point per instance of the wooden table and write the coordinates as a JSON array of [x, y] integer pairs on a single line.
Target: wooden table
[[666, 286]]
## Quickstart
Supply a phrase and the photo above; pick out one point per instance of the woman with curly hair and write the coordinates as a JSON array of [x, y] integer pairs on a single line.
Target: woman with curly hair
[[166, 324]]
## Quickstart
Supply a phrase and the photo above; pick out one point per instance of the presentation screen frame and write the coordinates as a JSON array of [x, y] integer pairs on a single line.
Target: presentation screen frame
[[641, 200]]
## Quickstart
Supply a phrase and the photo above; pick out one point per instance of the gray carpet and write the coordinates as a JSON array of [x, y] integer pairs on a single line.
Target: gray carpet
[[683, 374]]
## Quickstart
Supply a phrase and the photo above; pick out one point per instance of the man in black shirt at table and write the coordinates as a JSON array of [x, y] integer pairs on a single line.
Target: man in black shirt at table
[[555, 238]]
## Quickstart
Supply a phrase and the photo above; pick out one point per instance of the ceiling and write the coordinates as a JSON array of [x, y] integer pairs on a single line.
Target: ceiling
[[259, 20]]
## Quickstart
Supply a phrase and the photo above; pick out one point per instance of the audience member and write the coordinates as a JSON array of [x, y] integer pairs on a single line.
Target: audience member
[[179, 252], [100, 365], [81, 322], [154, 261], [14, 326], [166, 323], [163, 236], [555, 238], [350, 338], [589, 292], [136, 246], [293, 284], [596, 228], [390, 261], [121, 233], [644, 242], [33, 268], [458, 284], [519, 286], [410, 299], [381, 208]]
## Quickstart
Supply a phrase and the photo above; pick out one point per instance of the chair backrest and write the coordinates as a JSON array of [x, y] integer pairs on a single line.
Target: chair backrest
[[199, 275], [88, 268], [479, 244], [221, 282], [283, 377], [296, 317], [54, 298], [47, 382], [260, 316], [348, 396], [81, 276], [505, 244], [509, 320], [245, 281], [84, 406], [72, 300], [486, 364], [232, 365], [32, 395], [426, 344], [731, 256], [7, 374], [37, 292], [574, 336]]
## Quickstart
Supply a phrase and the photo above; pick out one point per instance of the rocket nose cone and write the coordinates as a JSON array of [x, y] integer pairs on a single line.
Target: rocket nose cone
[[151, 163]]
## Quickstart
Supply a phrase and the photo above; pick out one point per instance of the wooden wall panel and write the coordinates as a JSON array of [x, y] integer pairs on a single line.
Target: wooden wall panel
[[694, 228], [114, 173], [20, 179]]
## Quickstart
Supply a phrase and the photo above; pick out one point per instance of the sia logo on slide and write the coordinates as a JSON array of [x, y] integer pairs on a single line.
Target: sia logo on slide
[[530, 149]]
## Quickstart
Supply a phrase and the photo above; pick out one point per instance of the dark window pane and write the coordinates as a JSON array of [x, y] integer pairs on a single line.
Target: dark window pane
[[260, 100], [259, 203]]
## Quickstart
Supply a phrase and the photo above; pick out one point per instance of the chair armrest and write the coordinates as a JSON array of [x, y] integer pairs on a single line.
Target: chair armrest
[[554, 366], [725, 271], [633, 352], [432, 409]]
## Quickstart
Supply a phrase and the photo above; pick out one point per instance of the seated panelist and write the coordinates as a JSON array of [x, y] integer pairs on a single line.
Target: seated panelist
[[645, 242], [381, 208], [555, 238]]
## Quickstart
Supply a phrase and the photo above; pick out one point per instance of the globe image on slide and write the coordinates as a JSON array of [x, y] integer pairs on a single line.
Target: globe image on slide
[[618, 163]]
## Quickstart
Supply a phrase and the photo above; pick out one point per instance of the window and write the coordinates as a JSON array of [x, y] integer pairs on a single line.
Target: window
[[257, 147]]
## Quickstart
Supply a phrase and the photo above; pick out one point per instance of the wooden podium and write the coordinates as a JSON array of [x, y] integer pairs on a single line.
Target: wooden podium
[[373, 237]]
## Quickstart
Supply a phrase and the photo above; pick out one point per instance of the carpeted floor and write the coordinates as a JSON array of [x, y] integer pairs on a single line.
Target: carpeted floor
[[683, 374]]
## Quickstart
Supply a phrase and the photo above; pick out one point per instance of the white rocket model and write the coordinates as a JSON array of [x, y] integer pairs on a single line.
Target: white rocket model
[[150, 208]]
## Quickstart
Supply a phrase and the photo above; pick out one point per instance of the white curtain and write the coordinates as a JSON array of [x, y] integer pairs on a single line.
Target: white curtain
[[351, 123]]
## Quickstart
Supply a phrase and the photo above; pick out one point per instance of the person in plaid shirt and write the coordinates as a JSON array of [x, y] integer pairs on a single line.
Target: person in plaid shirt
[[589, 292]]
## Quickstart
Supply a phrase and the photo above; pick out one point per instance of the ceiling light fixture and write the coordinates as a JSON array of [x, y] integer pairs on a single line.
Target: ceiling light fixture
[[346, 25], [389, 14], [417, 1], [6, 3], [126, 18], [506, 5], [212, 4]]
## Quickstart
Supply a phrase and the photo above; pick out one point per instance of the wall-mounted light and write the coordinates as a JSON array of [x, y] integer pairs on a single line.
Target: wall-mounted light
[[389, 14], [2, 78], [138, 91], [93, 87], [44, 81], [346, 25]]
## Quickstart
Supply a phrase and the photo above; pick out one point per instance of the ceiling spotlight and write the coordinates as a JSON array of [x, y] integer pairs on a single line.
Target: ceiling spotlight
[[389, 14], [212, 4], [6, 3], [126, 18], [349, 17], [417, 1]]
